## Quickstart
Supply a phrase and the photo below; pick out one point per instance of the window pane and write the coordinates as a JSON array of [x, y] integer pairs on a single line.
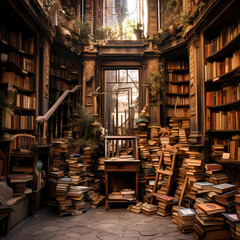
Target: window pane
[[111, 75], [133, 76]]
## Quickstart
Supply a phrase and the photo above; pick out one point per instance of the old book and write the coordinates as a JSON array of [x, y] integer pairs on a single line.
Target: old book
[[203, 185], [211, 208], [224, 187]]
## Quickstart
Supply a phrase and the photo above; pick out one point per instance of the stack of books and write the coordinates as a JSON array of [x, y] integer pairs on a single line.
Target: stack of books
[[214, 173], [95, 199], [149, 209], [165, 204], [62, 188], [217, 151], [234, 224], [54, 176], [210, 222], [59, 151], [101, 164], [200, 188], [185, 219], [175, 213], [168, 141], [195, 166], [135, 208], [237, 204], [225, 195]]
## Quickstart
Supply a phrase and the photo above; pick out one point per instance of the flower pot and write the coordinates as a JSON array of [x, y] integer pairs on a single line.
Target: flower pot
[[172, 30], [138, 33]]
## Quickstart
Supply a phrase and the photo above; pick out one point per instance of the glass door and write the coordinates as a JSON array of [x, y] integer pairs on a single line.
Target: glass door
[[121, 104]]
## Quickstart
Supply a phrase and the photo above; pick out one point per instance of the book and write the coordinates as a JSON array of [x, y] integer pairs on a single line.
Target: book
[[224, 187], [203, 185], [186, 212], [211, 208]]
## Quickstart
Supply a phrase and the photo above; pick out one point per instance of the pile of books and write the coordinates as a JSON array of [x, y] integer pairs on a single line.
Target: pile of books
[[168, 141], [87, 157], [54, 176], [217, 151], [101, 164], [234, 224], [149, 209], [185, 219], [210, 222], [199, 189], [59, 151], [195, 166], [165, 204], [135, 208], [225, 195], [214, 173], [237, 204], [62, 188]]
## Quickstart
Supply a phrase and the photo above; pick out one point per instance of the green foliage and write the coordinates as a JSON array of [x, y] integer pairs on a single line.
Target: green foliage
[[134, 25], [83, 128], [85, 30], [104, 33], [155, 82], [83, 123], [201, 4]]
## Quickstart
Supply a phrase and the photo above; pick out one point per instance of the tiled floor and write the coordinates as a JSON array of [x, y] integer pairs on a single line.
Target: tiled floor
[[96, 224]]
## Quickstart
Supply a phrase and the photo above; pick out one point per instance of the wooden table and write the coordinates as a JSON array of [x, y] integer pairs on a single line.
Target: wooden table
[[121, 174]]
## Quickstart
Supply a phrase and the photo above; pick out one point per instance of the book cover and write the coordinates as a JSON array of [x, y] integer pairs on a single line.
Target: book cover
[[211, 208], [186, 212]]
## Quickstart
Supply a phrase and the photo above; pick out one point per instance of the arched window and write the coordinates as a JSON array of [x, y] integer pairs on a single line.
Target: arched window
[[120, 12]]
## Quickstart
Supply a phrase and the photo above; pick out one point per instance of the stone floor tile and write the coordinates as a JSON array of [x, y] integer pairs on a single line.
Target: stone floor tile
[[50, 228]]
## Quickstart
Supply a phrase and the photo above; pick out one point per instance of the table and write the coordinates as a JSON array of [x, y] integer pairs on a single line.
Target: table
[[121, 174]]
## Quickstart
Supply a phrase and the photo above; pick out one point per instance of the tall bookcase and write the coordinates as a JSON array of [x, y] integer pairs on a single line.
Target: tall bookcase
[[177, 89], [222, 84], [64, 75], [17, 70]]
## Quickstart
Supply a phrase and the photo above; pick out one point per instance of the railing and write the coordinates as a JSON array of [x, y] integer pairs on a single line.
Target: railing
[[42, 121]]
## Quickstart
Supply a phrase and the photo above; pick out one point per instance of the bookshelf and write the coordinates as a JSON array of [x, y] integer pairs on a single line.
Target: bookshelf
[[222, 84], [64, 75], [177, 88], [17, 70]]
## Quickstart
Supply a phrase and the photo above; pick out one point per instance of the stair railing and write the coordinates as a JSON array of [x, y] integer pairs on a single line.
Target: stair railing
[[42, 121]]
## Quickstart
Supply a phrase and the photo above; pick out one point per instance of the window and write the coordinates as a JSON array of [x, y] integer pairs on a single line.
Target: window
[[118, 12], [121, 99]]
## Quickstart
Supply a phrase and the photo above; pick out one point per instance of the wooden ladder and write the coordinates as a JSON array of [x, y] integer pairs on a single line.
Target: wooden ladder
[[159, 171]]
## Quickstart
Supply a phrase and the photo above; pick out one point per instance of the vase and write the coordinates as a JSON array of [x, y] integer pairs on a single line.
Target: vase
[[138, 33], [172, 30]]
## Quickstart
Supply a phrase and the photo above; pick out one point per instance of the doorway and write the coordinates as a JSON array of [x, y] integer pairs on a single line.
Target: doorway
[[121, 101]]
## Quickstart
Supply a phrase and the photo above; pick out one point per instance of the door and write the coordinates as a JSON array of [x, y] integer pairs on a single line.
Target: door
[[121, 105]]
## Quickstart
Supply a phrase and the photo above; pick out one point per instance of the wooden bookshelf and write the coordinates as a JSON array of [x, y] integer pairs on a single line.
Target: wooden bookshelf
[[177, 88], [222, 81]]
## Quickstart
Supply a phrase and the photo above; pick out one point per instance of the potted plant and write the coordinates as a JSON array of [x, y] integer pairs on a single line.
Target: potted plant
[[137, 28]]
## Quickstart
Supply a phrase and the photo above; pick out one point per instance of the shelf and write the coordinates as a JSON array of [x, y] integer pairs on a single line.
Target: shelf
[[5, 85], [227, 161], [68, 80], [19, 130], [8, 47], [182, 118], [24, 109], [178, 70], [178, 82], [226, 106], [15, 68], [65, 68], [178, 94], [171, 105], [227, 77], [236, 131], [226, 50]]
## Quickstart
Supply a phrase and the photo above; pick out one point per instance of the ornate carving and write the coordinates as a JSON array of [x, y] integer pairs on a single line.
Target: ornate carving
[[89, 70], [46, 69]]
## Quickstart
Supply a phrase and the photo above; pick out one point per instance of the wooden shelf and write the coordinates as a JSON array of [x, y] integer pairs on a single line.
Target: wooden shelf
[[230, 161], [24, 109], [171, 105], [8, 47], [178, 94], [231, 76], [178, 70], [226, 106], [178, 82], [236, 131], [15, 68], [226, 51]]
